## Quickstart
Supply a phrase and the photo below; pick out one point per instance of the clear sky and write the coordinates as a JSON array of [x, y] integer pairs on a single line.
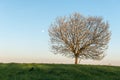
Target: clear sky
[[24, 28]]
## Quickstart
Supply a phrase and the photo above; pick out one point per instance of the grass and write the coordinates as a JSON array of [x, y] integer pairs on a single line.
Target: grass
[[14, 71]]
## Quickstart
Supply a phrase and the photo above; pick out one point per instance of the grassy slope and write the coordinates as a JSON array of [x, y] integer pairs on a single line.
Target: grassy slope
[[58, 72]]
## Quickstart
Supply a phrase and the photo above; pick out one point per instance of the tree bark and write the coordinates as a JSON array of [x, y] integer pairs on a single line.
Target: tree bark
[[76, 59]]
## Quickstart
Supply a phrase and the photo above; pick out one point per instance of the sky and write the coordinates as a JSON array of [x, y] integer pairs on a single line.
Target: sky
[[24, 28]]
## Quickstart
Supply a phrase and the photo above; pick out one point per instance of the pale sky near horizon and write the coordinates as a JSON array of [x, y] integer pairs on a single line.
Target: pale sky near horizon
[[24, 28]]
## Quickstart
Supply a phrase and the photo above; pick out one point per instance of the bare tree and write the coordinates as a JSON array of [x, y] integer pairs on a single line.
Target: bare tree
[[80, 37]]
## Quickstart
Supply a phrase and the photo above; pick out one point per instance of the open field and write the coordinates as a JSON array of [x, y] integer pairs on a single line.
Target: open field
[[14, 71]]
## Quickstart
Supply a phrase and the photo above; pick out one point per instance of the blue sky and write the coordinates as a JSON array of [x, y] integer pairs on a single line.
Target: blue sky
[[22, 23]]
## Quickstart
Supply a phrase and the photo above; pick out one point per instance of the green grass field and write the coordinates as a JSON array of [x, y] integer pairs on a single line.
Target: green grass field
[[14, 71]]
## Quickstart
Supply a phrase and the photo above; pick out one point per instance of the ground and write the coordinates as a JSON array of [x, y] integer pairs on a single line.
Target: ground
[[15, 71]]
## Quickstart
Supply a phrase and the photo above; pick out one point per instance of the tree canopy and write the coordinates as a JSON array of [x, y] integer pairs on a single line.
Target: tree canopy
[[80, 37]]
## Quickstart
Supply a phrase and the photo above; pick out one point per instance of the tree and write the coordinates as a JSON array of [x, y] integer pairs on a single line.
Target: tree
[[80, 37]]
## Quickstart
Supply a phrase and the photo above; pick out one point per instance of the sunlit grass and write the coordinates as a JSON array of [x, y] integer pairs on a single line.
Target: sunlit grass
[[14, 71]]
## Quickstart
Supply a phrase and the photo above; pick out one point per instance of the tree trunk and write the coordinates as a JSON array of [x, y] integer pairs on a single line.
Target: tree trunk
[[76, 59]]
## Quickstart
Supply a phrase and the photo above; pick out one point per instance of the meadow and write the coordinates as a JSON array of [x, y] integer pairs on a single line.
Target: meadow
[[17, 71]]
